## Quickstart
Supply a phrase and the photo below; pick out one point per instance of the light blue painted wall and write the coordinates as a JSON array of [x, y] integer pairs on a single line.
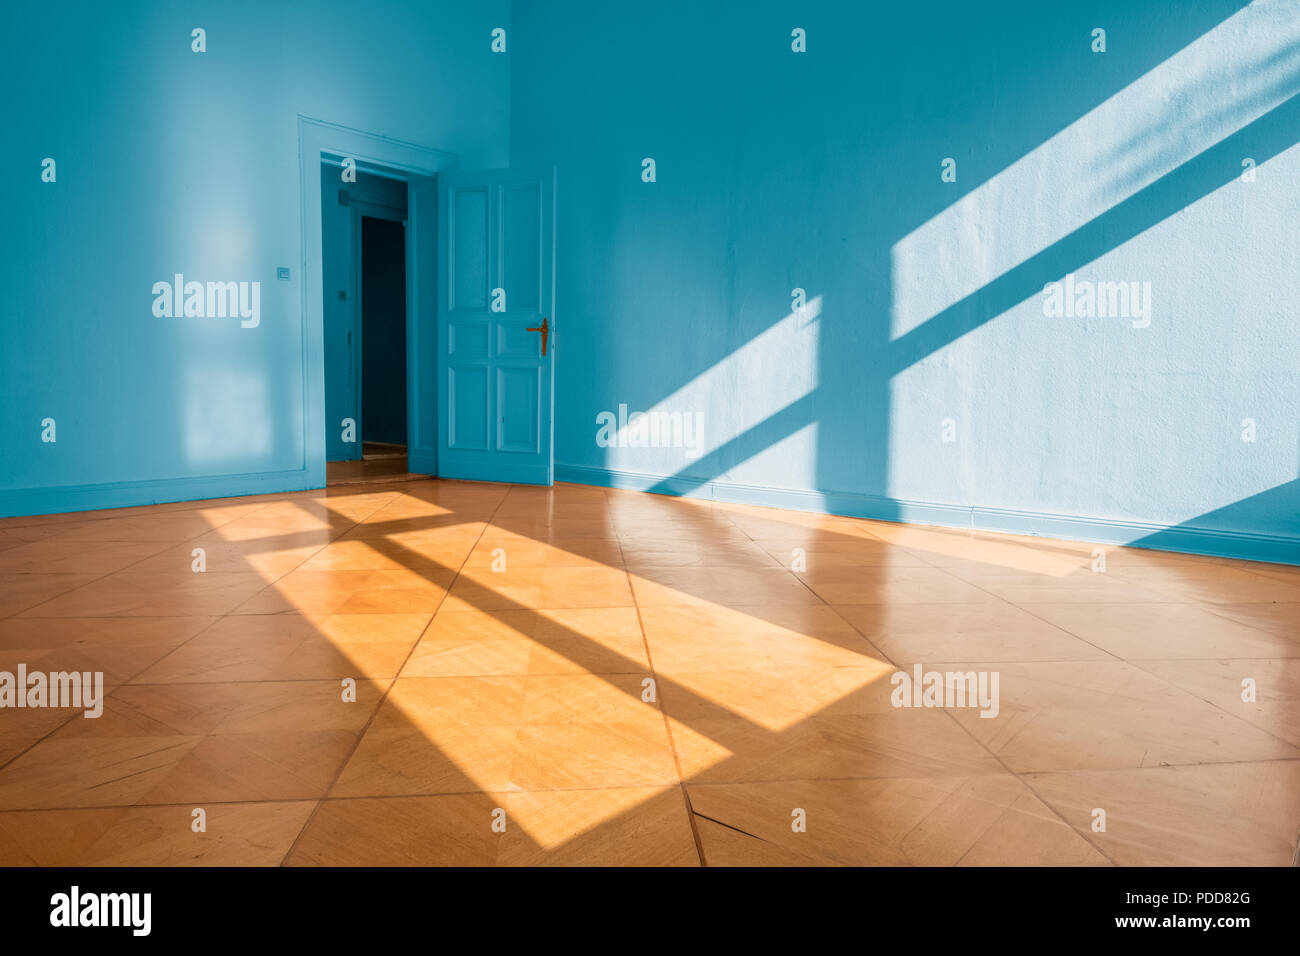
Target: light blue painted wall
[[821, 170], [776, 170], [173, 161]]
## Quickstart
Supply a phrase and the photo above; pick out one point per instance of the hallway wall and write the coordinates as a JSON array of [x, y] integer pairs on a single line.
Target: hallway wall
[[383, 339], [339, 271]]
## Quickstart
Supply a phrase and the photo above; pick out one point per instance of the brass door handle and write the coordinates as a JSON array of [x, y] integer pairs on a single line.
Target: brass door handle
[[545, 329]]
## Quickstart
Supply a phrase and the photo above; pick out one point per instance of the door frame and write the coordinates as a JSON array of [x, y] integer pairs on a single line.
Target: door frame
[[320, 141]]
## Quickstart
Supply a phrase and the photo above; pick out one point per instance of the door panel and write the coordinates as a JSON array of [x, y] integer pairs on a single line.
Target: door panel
[[521, 255], [468, 406], [467, 340], [469, 249], [496, 265], [517, 389], [515, 341]]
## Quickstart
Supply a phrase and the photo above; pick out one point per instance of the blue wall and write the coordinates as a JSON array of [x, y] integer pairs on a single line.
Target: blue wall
[[776, 170], [174, 161], [821, 170]]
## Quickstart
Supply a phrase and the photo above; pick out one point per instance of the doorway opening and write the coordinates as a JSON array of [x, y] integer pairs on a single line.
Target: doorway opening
[[364, 284], [369, 304]]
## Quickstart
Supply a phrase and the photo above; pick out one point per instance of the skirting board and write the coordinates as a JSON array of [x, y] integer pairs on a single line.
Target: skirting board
[[1182, 538], [129, 494]]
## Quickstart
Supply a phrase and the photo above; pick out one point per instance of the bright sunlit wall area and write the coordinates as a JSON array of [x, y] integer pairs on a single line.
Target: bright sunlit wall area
[[928, 382]]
